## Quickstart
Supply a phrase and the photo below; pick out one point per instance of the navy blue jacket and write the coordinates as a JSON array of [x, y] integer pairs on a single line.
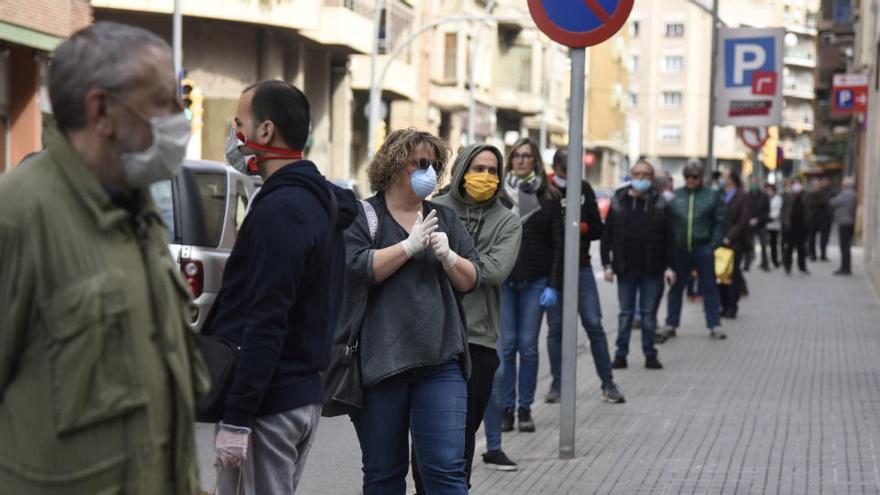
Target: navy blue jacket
[[279, 301]]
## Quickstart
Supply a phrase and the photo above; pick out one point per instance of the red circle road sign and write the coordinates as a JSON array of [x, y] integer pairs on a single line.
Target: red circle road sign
[[753, 137], [580, 23]]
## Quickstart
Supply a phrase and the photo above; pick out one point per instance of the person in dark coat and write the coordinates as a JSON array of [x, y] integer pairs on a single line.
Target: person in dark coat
[[638, 246], [795, 226], [758, 225], [821, 213], [739, 213]]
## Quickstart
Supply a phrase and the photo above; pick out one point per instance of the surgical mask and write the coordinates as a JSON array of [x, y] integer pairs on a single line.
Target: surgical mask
[[797, 188], [480, 187], [163, 159], [248, 164], [559, 181], [641, 185], [423, 181]]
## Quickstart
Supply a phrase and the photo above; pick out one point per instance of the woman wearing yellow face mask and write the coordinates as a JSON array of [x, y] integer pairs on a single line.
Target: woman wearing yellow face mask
[[496, 231]]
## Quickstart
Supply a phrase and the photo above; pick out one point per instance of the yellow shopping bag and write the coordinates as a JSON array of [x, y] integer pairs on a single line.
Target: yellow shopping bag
[[724, 265]]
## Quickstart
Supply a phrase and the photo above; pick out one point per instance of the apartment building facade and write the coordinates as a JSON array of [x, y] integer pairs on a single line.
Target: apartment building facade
[[29, 31]]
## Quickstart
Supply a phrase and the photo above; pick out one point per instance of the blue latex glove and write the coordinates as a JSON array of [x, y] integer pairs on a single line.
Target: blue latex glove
[[548, 297]]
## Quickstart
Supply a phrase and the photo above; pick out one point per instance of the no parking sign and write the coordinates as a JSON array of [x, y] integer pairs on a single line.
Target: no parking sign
[[580, 23]]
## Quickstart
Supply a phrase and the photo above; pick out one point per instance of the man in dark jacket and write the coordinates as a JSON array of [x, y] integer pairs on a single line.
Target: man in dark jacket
[[739, 213], [819, 204], [281, 291], [758, 225], [795, 226], [844, 205], [698, 217], [588, 294], [638, 245]]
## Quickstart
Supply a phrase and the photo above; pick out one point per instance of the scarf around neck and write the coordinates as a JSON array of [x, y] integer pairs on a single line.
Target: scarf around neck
[[523, 193]]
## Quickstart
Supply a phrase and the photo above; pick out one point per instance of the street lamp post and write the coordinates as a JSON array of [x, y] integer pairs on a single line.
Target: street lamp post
[[472, 79], [177, 40], [375, 95], [711, 163]]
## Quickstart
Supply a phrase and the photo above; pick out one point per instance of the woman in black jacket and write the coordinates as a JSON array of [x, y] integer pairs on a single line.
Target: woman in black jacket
[[535, 281]]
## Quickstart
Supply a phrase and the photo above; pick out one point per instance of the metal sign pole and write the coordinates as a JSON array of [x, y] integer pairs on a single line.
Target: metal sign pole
[[711, 163], [177, 40], [572, 258]]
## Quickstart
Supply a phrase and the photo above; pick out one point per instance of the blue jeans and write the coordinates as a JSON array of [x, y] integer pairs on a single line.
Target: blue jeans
[[642, 291], [492, 418], [591, 319], [702, 259], [521, 315], [429, 403]]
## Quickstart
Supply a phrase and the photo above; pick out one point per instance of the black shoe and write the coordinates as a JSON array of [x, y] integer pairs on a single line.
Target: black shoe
[[806, 272], [728, 314], [525, 420], [652, 363], [552, 396], [669, 332], [507, 420], [843, 272], [765, 268], [498, 460], [619, 363], [660, 338]]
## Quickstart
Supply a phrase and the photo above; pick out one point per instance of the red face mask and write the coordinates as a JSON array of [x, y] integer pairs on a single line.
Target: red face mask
[[273, 153]]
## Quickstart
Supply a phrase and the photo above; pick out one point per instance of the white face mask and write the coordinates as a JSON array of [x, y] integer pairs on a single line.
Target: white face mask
[[163, 159], [559, 181]]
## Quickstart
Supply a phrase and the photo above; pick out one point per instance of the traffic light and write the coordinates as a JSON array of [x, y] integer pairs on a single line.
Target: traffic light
[[192, 103]]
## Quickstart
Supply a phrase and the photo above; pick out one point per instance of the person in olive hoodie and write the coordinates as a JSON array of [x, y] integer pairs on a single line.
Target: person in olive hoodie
[[534, 282], [699, 219], [739, 213], [590, 311], [497, 233]]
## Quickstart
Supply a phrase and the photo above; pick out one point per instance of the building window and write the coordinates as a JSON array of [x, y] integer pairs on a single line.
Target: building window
[[516, 67], [674, 30], [450, 50], [633, 63], [634, 28], [673, 63], [671, 99], [633, 99], [670, 134]]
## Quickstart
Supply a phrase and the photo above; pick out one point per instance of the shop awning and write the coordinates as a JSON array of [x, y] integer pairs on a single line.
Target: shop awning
[[28, 37]]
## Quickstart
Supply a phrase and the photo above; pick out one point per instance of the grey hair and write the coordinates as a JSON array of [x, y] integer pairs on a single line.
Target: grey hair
[[643, 162], [103, 55], [693, 167]]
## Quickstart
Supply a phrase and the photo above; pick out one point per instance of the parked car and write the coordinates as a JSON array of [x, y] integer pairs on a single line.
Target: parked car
[[203, 208]]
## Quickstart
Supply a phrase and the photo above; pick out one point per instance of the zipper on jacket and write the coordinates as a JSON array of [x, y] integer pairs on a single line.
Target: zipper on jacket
[[691, 222]]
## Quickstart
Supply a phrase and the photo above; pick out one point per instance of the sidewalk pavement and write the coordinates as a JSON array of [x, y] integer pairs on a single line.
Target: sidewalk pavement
[[789, 403]]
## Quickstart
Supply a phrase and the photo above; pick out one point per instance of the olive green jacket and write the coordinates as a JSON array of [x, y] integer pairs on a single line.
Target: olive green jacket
[[99, 370], [699, 217]]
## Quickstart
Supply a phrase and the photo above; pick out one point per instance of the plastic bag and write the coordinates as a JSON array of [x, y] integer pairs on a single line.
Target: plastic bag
[[724, 265]]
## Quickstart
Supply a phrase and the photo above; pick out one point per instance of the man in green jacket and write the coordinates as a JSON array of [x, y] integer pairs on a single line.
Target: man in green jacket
[[699, 218], [99, 369], [497, 232]]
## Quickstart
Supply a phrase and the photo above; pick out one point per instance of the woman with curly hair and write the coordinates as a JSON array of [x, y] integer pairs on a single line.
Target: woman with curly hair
[[413, 267]]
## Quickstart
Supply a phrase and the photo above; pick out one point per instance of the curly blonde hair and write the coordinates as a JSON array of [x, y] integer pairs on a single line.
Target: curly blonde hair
[[390, 161]]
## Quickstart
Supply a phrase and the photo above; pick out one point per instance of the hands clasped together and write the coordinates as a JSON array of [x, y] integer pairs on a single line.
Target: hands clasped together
[[423, 234]]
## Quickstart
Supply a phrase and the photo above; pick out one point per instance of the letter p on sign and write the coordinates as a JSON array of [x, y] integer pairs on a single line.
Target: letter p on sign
[[747, 58]]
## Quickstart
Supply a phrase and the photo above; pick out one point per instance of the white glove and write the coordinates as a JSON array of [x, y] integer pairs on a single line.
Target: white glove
[[440, 243], [420, 234], [670, 277], [231, 446]]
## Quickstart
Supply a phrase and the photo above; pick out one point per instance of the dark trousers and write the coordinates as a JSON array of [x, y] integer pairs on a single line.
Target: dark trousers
[[730, 293], [820, 234], [846, 232], [774, 246], [791, 243], [763, 237], [484, 362]]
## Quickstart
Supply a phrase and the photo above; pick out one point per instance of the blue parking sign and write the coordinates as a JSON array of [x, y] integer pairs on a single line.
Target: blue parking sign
[[744, 56], [844, 99]]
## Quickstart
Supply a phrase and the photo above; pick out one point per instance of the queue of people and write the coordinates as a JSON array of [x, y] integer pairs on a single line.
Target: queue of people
[[448, 291]]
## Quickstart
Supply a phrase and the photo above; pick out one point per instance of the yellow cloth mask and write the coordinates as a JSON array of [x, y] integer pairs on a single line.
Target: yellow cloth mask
[[481, 186]]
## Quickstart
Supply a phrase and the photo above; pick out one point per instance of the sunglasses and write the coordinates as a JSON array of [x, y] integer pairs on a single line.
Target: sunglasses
[[424, 163], [689, 177], [524, 156]]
